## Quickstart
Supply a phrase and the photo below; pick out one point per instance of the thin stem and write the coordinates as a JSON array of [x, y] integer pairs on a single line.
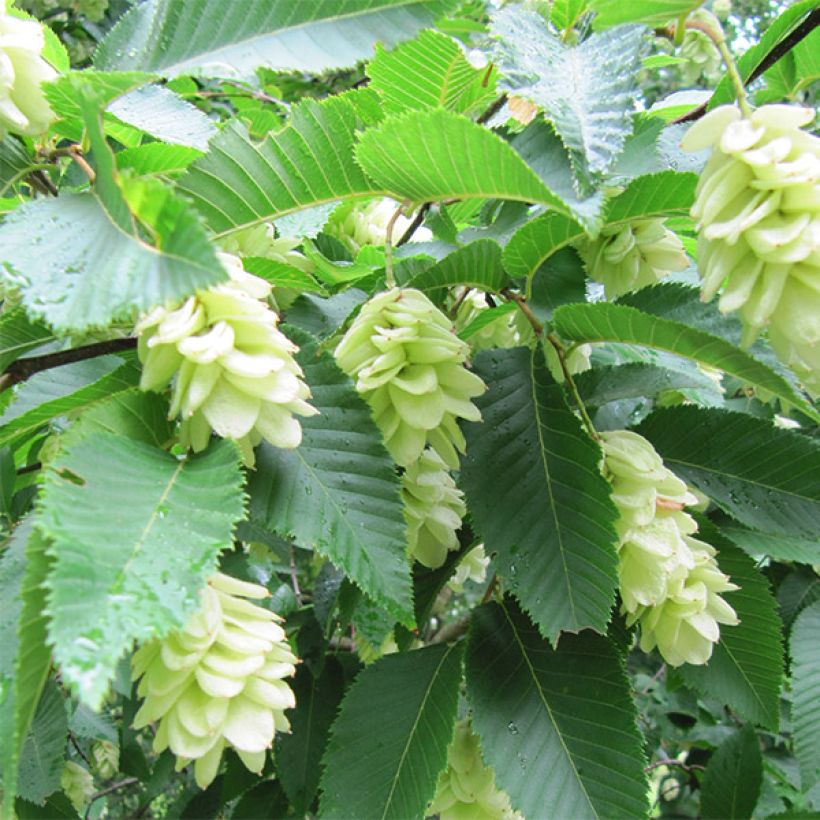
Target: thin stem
[[687, 767], [389, 278], [122, 784], [458, 303], [492, 110], [525, 309], [449, 632], [579, 402], [415, 224], [22, 369], [491, 587], [294, 579], [76, 153]]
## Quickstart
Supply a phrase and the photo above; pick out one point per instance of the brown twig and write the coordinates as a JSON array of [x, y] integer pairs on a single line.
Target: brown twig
[[525, 309], [75, 153], [495, 106], [22, 369], [451, 631], [122, 784], [294, 580], [415, 224], [491, 587], [687, 767]]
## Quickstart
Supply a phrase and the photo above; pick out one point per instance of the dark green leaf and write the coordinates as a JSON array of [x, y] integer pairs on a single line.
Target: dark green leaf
[[798, 590], [557, 725], [805, 652], [731, 782], [399, 758]]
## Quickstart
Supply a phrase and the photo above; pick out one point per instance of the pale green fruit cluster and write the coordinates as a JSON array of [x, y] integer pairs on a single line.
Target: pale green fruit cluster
[[632, 256], [577, 361], [358, 225], [261, 240], [433, 509], [78, 784], [218, 681], [757, 209], [106, 758], [409, 366], [466, 788], [669, 581], [502, 332], [702, 57], [233, 370], [473, 567], [23, 106]]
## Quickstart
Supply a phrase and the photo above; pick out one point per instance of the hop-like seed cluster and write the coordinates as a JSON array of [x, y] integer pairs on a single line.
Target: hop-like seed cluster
[[233, 370], [219, 681], [702, 57], [466, 788], [77, 783], [23, 106], [473, 567], [106, 758], [409, 366], [261, 240], [669, 581], [502, 332], [358, 225], [629, 257], [433, 509], [757, 208]]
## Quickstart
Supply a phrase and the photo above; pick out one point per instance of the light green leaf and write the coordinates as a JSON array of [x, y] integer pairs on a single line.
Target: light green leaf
[[602, 322], [537, 497], [746, 668], [564, 14], [19, 335], [162, 114], [438, 155], [132, 547], [299, 754], [487, 317], [43, 753], [764, 476], [667, 193], [430, 71], [477, 265], [649, 12], [558, 726], [592, 105], [280, 34], [338, 492], [733, 776], [399, 759], [805, 652], [61, 390], [157, 158], [310, 162], [281, 275]]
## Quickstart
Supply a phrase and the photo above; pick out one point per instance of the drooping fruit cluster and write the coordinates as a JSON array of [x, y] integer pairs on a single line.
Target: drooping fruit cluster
[[433, 509], [669, 581], [218, 681], [501, 332], [629, 257], [408, 364], [233, 370], [261, 240], [357, 225], [466, 788], [701, 55], [473, 567], [23, 106], [757, 209], [77, 783]]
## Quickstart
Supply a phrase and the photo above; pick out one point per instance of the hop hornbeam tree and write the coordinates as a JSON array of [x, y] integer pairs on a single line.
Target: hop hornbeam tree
[[406, 413]]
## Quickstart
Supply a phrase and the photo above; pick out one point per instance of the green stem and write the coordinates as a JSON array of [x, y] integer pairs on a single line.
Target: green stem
[[389, 277], [561, 351]]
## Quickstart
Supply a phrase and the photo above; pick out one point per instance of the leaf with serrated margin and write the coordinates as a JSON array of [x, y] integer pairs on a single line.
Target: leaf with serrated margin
[[564, 14], [667, 193], [591, 106], [429, 71], [397, 761], [310, 162], [24, 657], [15, 163], [731, 783], [798, 590], [299, 754], [764, 476], [20, 335], [438, 155], [477, 265], [280, 34], [338, 492], [537, 496], [281, 275], [602, 322], [157, 158], [558, 726], [649, 12], [134, 532], [61, 390], [746, 667], [804, 649]]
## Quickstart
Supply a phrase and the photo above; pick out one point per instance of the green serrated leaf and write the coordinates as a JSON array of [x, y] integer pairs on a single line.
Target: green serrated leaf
[[537, 496], [15, 163], [419, 691], [438, 155], [746, 668], [564, 14], [733, 776], [764, 476], [477, 265], [281, 275], [157, 158], [278, 34], [338, 492], [805, 653], [299, 754], [558, 726], [602, 322], [310, 162], [20, 335], [591, 107], [135, 574], [798, 590], [649, 12], [430, 71]]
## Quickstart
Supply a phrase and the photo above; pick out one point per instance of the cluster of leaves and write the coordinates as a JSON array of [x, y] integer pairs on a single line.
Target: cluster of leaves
[[153, 160]]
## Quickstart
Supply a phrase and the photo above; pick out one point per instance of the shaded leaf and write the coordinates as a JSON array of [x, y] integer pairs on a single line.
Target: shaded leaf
[[733, 776], [805, 653]]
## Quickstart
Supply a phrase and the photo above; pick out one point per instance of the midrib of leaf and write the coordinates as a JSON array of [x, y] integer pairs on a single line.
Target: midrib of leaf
[[745, 677], [548, 482], [414, 728], [543, 699]]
